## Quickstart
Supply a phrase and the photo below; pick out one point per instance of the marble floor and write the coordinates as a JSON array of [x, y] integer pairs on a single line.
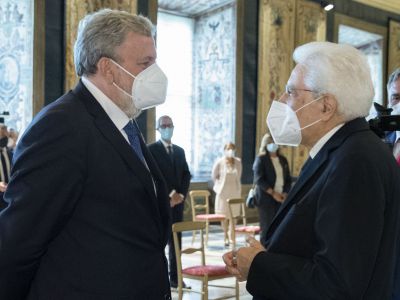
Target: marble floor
[[214, 253]]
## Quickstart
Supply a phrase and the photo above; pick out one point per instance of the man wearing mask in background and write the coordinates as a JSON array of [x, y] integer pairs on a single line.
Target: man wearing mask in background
[[171, 160], [393, 89], [336, 236], [88, 212]]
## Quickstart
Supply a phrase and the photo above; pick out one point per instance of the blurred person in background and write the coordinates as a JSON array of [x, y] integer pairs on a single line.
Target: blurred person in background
[[226, 174], [272, 182]]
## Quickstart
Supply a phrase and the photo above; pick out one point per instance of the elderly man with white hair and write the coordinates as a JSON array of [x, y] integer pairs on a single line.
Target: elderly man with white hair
[[336, 235]]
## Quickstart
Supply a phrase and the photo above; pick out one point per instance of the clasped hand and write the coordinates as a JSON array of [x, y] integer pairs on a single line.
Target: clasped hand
[[238, 262]]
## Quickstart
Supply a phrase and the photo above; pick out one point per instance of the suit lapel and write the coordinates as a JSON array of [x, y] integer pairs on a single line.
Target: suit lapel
[[312, 166], [111, 133]]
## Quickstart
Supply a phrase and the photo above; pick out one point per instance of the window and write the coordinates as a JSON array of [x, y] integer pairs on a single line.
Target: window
[[16, 61], [198, 54]]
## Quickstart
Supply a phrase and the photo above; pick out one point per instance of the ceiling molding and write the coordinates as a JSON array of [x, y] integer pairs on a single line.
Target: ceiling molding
[[388, 5]]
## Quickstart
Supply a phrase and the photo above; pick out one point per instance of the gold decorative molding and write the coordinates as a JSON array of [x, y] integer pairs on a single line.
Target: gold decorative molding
[[310, 22], [276, 44], [388, 5], [75, 11], [394, 46], [283, 25], [369, 27], [38, 57], [310, 26]]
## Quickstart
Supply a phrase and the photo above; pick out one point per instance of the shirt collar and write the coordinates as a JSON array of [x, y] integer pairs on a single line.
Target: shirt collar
[[117, 116], [165, 143], [322, 141]]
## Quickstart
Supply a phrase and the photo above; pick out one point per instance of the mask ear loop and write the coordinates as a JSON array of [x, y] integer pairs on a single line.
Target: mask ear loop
[[129, 73], [315, 122]]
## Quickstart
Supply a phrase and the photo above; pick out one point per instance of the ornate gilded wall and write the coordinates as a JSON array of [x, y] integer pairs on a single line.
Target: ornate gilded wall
[[75, 11], [283, 26], [394, 46]]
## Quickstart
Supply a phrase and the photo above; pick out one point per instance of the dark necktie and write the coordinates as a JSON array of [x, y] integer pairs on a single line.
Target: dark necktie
[[170, 153], [132, 132]]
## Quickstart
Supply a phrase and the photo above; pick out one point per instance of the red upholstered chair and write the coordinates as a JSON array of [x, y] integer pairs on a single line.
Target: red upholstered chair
[[199, 200], [243, 228], [202, 272]]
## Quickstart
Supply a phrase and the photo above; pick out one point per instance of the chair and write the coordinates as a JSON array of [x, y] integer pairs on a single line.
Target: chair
[[244, 228], [204, 207], [202, 272]]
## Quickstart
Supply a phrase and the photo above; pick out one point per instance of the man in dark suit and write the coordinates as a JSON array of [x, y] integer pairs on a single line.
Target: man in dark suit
[[336, 236], [88, 211], [171, 160]]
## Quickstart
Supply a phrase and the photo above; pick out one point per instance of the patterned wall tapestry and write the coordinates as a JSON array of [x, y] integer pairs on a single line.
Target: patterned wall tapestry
[[75, 11], [16, 61], [282, 26], [394, 46], [213, 107]]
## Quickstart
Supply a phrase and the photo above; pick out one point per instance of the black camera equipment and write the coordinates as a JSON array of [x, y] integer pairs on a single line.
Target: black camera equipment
[[384, 122]]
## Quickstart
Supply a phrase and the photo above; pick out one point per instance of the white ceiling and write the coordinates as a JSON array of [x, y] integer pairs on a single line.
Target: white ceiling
[[388, 5]]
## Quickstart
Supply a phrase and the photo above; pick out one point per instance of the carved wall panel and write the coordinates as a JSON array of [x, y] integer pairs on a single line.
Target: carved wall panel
[[276, 44], [283, 26], [394, 46], [75, 11]]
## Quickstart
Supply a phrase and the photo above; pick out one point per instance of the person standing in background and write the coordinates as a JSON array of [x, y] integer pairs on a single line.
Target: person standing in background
[[87, 213], [393, 89], [226, 174], [272, 180], [171, 160]]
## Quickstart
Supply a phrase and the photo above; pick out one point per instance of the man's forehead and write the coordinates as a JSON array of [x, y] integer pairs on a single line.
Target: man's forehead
[[165, 120]]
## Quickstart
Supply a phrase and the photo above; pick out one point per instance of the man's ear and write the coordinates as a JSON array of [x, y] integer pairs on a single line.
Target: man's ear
[[329, 108], [104, 67]]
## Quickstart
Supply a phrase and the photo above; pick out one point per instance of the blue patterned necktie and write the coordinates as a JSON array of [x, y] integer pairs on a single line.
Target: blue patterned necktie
[[133, 133]]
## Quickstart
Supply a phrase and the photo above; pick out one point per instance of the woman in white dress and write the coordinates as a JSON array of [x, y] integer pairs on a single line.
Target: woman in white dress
[[226, 175]]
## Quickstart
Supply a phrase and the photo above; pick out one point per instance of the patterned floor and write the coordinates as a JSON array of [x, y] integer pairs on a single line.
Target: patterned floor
[[214, 253]]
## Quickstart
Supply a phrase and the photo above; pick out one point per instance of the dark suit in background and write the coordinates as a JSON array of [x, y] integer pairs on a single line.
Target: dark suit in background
[[84, 219], [265, 178], [5, 171], [333, 236], [177, 176]]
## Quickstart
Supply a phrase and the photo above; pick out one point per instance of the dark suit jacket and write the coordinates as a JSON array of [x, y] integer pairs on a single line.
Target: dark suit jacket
[[83, 220], [336, 235], [177, 175], [265, 177]]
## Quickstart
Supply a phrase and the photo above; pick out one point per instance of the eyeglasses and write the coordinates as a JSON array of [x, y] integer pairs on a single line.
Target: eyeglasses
[[163, 126], [291, 91]]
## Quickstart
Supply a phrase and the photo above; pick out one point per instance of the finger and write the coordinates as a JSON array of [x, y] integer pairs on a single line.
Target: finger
[[227, 258], [232, 270], [254, 243]]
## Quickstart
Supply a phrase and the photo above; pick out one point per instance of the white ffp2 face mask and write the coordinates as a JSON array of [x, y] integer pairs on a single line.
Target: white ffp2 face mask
[[149, 88], [284, 125]]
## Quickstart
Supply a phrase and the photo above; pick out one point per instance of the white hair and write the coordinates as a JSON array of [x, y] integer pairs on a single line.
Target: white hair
[[340, 70]]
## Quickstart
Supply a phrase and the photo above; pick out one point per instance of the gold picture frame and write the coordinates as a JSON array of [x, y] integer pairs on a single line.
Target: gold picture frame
[[369, 27], [394, 46]]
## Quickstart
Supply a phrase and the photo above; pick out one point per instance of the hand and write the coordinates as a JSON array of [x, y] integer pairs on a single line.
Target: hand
[[278, 196], [3, 186], [238, 262], [175, 199]]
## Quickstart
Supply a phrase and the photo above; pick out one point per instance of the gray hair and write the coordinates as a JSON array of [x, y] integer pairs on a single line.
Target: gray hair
[[340, 70], [101, 32], [392, 78]]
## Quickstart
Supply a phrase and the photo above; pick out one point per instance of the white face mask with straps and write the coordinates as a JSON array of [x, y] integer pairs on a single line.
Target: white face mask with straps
[[284, 125], [149, 87]]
